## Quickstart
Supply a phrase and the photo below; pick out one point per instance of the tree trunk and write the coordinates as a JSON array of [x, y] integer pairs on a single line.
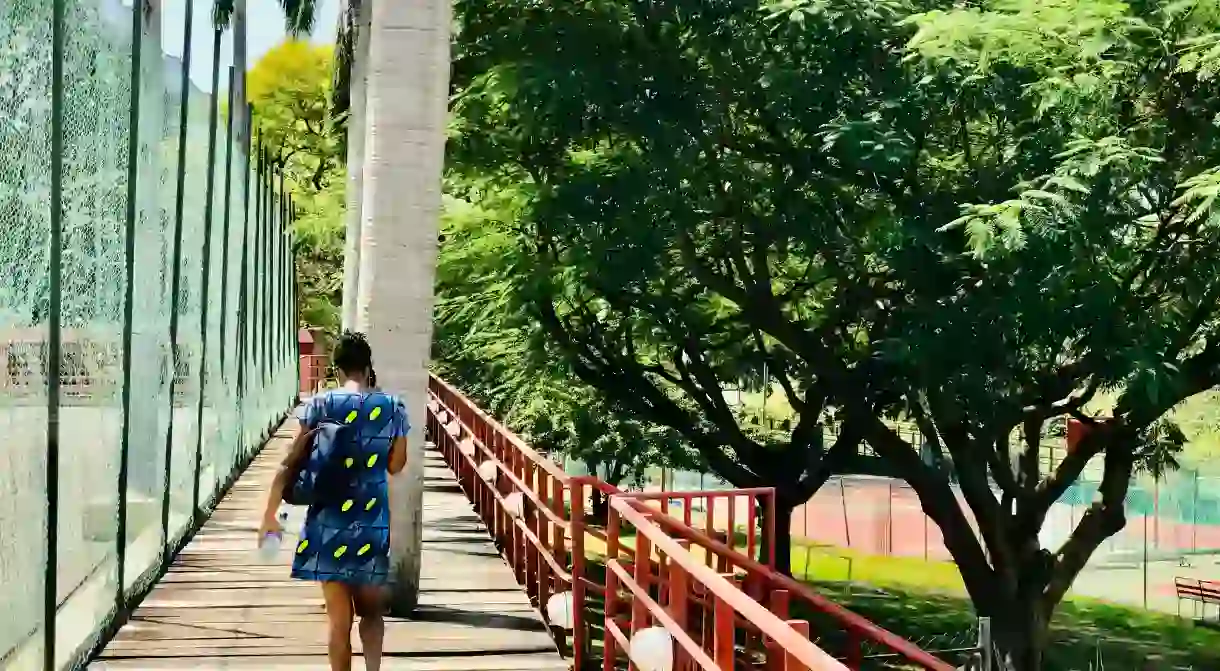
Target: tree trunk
[[782, 539], [1020, 628], [406, 107], [356, 131], [599, 508]]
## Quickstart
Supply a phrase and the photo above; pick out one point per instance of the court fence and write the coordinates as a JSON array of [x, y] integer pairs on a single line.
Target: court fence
[[1173, 528], [147, 325]]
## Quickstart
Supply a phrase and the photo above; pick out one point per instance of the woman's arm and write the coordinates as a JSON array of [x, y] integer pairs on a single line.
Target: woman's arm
[[398, 448], [290, 465], [398, 455]]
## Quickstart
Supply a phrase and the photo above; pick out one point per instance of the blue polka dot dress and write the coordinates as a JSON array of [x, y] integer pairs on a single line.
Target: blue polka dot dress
[[348, 541]]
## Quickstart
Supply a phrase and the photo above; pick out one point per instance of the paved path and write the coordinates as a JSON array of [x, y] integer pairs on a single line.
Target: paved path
[[220, 607]]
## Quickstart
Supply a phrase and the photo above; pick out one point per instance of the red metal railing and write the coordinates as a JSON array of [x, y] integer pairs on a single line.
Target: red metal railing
[[703, 610], [537, 515], [313, 372], [846, 635]]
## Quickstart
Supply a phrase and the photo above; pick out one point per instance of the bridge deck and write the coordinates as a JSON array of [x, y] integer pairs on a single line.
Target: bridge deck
[[220, 607]]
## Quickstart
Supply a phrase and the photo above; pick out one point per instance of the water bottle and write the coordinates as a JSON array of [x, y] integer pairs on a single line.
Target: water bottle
[[269, 547]]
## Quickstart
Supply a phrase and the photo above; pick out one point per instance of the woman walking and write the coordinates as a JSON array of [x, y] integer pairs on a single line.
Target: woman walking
[[345, 541]]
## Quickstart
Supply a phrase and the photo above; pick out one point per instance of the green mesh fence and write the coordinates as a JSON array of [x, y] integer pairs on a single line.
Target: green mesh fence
[[146, 326]]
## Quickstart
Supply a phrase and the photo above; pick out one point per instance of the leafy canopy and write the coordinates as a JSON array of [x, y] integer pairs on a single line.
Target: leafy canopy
[[973, 218], [485, 342], [290, 90]]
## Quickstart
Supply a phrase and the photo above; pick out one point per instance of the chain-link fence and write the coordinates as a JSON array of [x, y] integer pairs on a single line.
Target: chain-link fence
[[146, 321], [1172, 530]]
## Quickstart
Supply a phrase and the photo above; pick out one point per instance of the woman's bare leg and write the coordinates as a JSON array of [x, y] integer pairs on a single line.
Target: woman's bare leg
[[339, 615], [370, 606]]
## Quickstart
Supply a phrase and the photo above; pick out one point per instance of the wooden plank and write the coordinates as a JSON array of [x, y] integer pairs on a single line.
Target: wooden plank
[[220, 606], [505, 662]]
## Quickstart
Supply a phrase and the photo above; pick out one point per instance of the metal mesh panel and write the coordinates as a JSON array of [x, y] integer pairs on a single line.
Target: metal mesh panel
[[148, 418], [122, 346], [212, 444], [97, 93], [25, 186]]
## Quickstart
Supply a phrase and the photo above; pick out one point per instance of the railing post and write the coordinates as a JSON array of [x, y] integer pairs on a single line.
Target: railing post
[[520, 551], [679, 594], [770, 530], [610, 644], [530, 513], [580, 637], [777, 658], [791, 663], [724, 641], [559, 548], [854, 652], [643, 578], [541, 526]]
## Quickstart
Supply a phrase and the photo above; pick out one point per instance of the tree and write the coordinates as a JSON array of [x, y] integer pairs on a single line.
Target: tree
[[1089, 266], [290, 88], [668, 207], [975, 219], [491, 347]]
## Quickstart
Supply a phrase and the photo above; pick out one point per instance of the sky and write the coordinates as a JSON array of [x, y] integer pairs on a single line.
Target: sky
[[265, 30]]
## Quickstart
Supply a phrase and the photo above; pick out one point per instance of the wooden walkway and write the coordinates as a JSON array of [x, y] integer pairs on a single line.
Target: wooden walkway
[[220, 607]]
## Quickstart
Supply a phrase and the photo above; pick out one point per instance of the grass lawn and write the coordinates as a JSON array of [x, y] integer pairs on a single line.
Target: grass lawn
[[923, 601]]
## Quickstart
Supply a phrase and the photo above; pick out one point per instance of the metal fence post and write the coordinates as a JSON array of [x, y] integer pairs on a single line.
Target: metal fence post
[[264, 279], [259, 212], [295, 346], [986, 647], [51, 363], [176, 280], [129, 251], [242, 294], [277, 287], [273, 285], [209, 195], [225, 232], [279, 278]]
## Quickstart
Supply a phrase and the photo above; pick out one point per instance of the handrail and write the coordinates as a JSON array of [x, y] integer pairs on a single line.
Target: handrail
[[771, 626], [551, 467], [502, 469], [849, 620], [731, 497], [543, 541]]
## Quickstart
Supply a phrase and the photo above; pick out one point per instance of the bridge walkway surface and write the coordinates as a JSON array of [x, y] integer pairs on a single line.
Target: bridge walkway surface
[[219, 606]]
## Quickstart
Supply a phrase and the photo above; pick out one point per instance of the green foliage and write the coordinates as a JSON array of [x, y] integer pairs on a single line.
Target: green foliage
[[290, 90], [299, 15], [487, 344], [978, 218]]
